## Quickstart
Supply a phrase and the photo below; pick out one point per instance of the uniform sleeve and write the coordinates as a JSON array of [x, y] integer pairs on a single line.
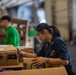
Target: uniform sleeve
[[62, 50]]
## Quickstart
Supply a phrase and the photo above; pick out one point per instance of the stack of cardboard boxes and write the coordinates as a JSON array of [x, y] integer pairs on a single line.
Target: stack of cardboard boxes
[[8, 54], [62, 18]]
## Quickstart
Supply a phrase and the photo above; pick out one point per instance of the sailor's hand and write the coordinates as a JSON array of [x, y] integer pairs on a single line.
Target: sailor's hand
[[39, 61]]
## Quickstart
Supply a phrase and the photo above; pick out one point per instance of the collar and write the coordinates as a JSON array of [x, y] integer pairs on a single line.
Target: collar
[[52, 40]]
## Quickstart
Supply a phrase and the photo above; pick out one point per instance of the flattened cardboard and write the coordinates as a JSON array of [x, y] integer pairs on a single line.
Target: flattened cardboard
[[8, 48], [20, 65], [46, 71]]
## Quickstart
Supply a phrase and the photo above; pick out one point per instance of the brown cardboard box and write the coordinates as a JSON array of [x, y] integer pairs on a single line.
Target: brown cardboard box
[[12, 59], [29, 65], [26, 49], [28, 62], [8, 55], [46, 71], [3, 59]]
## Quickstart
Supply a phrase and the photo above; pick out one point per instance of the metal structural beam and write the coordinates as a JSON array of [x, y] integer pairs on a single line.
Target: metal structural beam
[[12, 3]]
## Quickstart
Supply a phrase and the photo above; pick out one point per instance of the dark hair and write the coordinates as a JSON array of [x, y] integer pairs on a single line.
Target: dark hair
[[51, 29], [6, 17]]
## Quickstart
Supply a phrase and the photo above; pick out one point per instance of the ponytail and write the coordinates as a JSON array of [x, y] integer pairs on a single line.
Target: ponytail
[[55, 31]]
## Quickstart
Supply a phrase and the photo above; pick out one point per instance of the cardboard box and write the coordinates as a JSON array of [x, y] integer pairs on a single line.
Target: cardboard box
[[8, 55], [3, 59], [46, 71], [28, 63], [26, 49]]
